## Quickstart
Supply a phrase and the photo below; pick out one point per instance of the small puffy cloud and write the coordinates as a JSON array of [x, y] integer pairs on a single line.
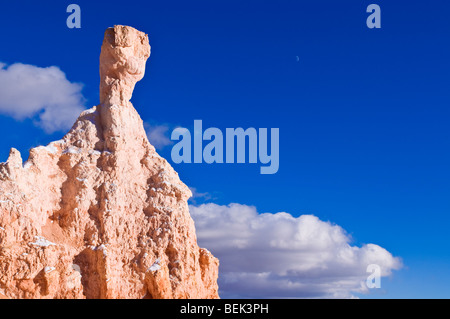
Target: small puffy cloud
[[43, 94], [158, 135], [197, 194], [281, 256], [199, 197]]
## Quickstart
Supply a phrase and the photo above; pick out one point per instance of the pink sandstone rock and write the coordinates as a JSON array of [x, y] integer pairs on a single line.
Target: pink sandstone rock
[[99, 214]]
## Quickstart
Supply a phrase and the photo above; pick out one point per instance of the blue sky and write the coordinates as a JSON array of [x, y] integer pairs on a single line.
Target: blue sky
[[363, 113]]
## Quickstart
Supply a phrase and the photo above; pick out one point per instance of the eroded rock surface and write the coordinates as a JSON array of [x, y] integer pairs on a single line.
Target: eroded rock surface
[[99, 214]]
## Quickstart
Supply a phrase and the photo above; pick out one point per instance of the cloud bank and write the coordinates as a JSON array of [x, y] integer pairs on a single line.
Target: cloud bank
[[43, 94], [281, 256]]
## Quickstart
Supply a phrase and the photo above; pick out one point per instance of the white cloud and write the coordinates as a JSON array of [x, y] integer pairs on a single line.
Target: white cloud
[[198, 197], [278, 255], [43, 94], [157, 135]]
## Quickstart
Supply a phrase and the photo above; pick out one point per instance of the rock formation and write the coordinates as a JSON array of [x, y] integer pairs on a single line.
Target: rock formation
[[99, 214]]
